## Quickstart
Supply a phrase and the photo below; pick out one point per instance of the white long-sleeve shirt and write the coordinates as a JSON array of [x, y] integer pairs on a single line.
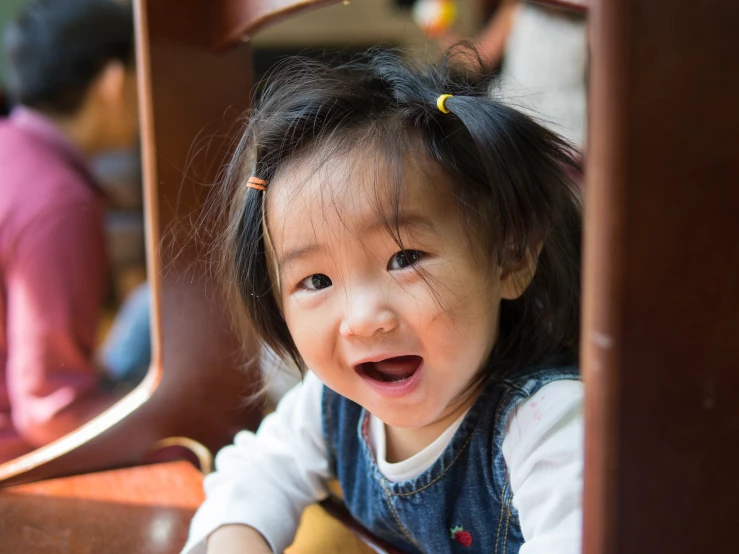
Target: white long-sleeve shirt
[[266, 479]]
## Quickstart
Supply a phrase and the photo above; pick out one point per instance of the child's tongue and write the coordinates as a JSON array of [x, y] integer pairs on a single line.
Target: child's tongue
[[393, 369]]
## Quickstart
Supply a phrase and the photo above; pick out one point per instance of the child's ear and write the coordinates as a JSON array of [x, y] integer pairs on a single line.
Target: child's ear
[[110, 83], [515, 277]]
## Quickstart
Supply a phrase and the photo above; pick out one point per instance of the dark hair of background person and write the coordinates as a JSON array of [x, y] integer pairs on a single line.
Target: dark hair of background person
[[508, 173], [55, 49]]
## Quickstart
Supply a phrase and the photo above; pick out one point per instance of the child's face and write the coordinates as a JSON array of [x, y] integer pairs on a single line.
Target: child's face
[[363, 318]]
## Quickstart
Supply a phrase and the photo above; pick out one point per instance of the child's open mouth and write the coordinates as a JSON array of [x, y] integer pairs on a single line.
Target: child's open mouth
[[392, 369], [397, 375]]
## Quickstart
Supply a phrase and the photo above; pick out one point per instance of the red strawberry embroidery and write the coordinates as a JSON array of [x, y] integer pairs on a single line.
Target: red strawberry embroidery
[[461, 536]]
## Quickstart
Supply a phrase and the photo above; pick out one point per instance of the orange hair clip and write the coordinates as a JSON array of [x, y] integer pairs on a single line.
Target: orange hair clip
[[257, 184]]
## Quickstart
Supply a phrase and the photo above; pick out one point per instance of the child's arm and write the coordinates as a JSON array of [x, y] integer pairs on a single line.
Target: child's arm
[[543, 450], [265, 480], [237, 539]]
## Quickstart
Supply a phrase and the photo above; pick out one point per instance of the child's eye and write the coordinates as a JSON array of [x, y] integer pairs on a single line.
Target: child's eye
[[404, 258], [317, 281]]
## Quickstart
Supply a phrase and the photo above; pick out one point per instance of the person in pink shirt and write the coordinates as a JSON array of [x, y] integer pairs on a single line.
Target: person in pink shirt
[[71, 78]]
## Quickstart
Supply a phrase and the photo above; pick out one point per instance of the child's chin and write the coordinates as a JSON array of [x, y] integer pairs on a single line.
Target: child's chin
[[402, 419]]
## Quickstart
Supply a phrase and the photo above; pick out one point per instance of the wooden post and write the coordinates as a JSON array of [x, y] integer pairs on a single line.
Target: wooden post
[[661, 298]]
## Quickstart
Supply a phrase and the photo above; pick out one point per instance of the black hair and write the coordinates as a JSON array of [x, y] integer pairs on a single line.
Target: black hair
[[508, 173], [56, 48]]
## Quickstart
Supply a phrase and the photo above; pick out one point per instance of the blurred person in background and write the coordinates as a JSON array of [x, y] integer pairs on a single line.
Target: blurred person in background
[[544, 71], [540, 49], [71, 78]]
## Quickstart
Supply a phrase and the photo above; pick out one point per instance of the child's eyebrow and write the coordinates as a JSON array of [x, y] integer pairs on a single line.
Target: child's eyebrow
[[412, 220], [296, 254]]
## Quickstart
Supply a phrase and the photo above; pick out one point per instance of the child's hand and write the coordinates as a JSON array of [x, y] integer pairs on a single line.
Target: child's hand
[[237, 539]]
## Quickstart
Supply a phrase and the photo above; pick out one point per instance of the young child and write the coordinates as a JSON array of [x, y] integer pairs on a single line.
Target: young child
[[416, 245]]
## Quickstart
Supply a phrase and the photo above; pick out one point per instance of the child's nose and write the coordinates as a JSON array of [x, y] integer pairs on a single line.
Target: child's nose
[[367, 315]]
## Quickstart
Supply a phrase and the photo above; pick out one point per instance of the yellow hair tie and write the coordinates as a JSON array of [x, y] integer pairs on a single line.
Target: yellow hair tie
[[440, 101]]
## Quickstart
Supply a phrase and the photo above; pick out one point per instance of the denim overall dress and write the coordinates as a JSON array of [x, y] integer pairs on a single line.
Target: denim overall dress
[[462, 503]]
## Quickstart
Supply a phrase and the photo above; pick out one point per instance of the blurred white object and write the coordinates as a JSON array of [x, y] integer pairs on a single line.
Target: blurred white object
[[544, 72], [436, 17]]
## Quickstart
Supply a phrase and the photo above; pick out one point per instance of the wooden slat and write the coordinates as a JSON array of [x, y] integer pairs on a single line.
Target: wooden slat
[[144, 509], [235, 20], [661, 301], [573, 5]]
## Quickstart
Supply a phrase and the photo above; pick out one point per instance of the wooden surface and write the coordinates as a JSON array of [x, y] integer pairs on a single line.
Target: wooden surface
[[142, 510], [581, 6], [661, 299], [320, 533], [236, 20], [341, 519]]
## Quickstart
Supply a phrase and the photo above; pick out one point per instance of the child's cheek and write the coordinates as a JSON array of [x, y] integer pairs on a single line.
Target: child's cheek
[[458, 291], [464, 310], [310, 326]]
